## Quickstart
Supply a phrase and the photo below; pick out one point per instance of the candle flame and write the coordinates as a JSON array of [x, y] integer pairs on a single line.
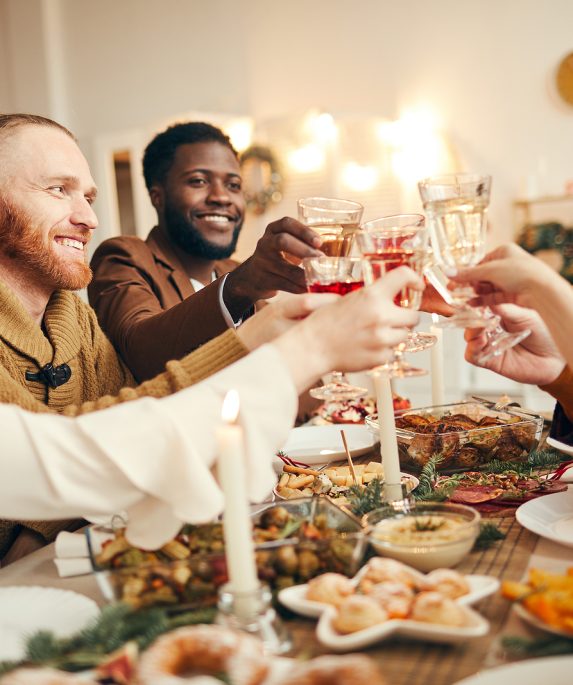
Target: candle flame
[[230, 409], [435, 318]]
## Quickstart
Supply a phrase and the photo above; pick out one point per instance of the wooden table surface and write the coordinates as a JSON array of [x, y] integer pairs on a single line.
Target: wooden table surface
[[404, 662]]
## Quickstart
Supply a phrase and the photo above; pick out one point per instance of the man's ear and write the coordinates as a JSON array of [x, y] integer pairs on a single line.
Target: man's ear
[[157, 197]]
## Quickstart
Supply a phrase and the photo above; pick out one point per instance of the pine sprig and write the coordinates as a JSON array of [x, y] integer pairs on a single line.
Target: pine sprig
[[364, 499], [116, 624], [488, 535], [427, 490], [522, 647], [537, 460]]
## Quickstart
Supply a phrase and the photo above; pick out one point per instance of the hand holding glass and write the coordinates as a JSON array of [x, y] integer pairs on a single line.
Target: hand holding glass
[[335, 221], [386, 244], [338, 275]]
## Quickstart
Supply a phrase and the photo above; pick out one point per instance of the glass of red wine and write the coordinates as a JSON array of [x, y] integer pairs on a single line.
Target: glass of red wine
[[386, 244], [339, 275]]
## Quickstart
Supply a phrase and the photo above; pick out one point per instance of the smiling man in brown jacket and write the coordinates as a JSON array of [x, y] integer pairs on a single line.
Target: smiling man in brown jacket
[[163, 297]]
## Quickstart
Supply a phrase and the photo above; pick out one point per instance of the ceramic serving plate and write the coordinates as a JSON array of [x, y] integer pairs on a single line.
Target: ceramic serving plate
[[550, 517], [315, 445], [294, 598], [475, 626]]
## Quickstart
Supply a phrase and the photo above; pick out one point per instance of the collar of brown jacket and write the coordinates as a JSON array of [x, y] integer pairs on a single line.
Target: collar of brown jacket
[[163, 252]]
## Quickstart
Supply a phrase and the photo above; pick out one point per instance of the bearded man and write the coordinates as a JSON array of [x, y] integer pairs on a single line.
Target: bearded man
[[160, 298], [53, 354]]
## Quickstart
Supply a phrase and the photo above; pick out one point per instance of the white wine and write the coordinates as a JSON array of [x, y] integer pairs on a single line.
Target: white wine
[[458, 227], [337, 239]]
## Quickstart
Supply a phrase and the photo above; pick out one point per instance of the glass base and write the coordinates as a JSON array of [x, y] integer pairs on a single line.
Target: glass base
[[398, 369], [465, 317], [251, 612], [500, 343], [416, 342], [335, 392]]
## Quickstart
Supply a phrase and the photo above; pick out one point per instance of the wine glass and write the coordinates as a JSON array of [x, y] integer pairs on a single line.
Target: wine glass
[[336, 222], [386, 244], [340, 275], [383, 230], [456, 207], [498, 339]]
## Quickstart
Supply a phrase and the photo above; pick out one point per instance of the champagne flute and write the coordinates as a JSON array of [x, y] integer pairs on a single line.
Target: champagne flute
[[335, 221], [339, 275], [456, 207], [386, 244]]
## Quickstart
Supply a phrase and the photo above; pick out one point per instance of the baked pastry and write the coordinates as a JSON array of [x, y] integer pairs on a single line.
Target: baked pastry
[[329, 588], [43, 676], [432, 607], [394, 597], [184, 654], [381, 570], [352, 669], [357, 613], [447, 582]]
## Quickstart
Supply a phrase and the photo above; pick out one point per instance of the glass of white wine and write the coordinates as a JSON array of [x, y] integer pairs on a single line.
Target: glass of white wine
[[335, 221], [456, 208]]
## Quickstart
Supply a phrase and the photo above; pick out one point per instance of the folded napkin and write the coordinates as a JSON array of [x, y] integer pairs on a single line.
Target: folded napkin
[[72, 553]]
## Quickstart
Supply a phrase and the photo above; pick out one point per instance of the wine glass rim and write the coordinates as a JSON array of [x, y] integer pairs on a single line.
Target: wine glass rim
[[332, 258], [315, 202], [398, 222], [455, 179]]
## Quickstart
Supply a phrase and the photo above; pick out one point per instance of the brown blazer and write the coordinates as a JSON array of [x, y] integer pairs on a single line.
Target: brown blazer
[[143, 302]]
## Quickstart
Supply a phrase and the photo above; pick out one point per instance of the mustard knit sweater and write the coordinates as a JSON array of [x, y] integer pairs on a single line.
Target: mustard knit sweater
[[71, 335]]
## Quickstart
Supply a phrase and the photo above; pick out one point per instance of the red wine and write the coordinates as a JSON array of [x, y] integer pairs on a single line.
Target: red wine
[[391, 258], [339, 287]]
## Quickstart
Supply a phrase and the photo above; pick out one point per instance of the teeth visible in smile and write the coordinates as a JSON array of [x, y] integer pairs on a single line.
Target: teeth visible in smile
[[215, 217], [70, 242]]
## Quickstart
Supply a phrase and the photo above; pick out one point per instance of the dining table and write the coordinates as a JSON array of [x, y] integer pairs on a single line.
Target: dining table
[[402, 661]]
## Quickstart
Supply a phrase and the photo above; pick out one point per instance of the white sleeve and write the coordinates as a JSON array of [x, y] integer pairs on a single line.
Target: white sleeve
[[226, 313], [151, 457]]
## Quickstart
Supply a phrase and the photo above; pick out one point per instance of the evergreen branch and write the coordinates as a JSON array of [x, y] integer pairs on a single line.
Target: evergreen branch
[[488, 535], [522, 647], [536, 460], [116, 625], [364, 499]]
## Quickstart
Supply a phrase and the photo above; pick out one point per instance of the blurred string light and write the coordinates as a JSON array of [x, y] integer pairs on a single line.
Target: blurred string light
[[321, 127], [240, 131], [306, 159], [419, 148], [360, 178]]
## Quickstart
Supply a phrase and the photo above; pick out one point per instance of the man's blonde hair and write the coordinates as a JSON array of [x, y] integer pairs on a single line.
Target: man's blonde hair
[[9, 122]]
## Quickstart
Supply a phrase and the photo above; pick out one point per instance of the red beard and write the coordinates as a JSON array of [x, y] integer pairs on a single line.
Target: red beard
[[26, 246]]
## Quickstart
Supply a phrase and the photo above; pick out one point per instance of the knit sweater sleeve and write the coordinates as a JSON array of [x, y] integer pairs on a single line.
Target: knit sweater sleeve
[[202, 363]]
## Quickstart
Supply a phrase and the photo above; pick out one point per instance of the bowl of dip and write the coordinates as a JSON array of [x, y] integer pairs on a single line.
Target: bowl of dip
[[426, 536]]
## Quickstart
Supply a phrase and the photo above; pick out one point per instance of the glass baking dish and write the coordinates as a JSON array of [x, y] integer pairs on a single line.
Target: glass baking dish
[[326, 538], [466, 435]]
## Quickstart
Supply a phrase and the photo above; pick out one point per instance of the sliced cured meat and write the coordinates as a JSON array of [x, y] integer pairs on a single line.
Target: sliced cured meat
[[476, 494]]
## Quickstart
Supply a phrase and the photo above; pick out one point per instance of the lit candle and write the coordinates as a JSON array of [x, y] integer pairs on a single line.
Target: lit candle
[[437, 363], [388, 441], [237, 528]]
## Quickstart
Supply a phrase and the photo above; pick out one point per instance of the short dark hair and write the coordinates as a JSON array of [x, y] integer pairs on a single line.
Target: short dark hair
[[11, 121], [159, 154]]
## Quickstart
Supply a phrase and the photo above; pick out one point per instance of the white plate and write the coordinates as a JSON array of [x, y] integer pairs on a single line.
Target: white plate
[[528, 617], [556, 670], [550, 516], [25, 610], [294, 598], [561, 446], [321, 444], [475, 626]]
